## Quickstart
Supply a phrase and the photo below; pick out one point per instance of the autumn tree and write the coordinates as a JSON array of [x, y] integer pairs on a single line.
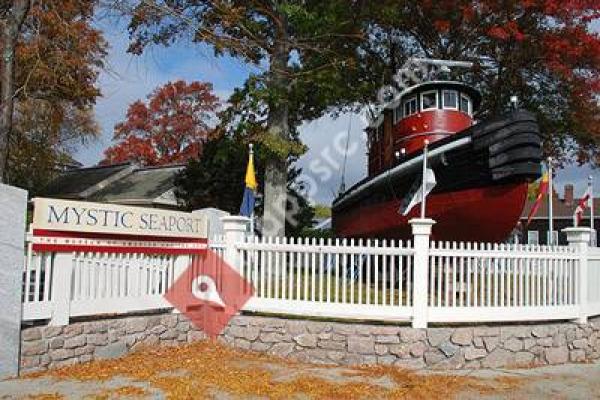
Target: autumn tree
[[57, 55], [299, 43], [169, 128], [43, 139]]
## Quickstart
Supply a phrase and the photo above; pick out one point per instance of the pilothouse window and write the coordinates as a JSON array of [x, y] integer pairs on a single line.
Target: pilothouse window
[[397, 114], [450, 99], [465, 104], [410, 106], [428, 100]]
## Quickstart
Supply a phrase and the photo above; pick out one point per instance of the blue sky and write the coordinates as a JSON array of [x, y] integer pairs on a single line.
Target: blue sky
[[128, 78]]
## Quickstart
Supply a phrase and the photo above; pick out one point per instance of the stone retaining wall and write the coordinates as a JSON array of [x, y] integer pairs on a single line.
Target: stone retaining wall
[[490, 346]]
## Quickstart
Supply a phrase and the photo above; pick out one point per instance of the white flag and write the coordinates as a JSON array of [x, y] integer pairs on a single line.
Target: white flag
[[413, 197], [584, 204]]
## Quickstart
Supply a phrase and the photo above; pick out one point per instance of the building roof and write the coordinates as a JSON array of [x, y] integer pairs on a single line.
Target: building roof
[[121, 184], [142, 186], [74, 182]]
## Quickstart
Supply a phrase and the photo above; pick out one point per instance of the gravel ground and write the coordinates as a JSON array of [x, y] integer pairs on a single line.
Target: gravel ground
[[213, 372]]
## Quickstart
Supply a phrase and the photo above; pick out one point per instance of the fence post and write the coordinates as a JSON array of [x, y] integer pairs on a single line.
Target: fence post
[[421, 229], [234, 228], [13, 203], [180, 267], [62, 273], [579, 237]]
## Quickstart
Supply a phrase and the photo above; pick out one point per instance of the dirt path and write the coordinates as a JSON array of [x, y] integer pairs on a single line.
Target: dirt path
[[211, 371]]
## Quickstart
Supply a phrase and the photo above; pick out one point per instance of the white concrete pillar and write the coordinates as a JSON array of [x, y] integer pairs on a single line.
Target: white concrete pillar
[[235, 229], [213, 217], [421, 229], [579, 237], [13, 210]]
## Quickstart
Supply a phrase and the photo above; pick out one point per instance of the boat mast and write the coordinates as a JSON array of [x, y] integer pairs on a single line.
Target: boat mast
[[343, 182]]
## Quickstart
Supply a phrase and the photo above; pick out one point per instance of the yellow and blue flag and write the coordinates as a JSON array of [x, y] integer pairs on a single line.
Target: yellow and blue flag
[[542, 192], [247, 207]]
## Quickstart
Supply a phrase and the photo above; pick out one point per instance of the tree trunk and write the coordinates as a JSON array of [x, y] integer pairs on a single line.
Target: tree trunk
[[276, 170], [11, 20]]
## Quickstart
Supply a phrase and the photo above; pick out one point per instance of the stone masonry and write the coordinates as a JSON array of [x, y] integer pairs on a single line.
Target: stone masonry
[[490, 346]]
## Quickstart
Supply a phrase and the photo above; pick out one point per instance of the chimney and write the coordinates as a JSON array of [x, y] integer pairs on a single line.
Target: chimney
[[568, 195]]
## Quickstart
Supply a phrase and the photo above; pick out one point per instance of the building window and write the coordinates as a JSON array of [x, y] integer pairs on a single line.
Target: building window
[[465, 104], [450, 99], [410, 106], [533, 237], [429, 100]]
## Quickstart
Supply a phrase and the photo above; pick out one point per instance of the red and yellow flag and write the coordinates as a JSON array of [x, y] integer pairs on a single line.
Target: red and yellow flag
[[542, 191]]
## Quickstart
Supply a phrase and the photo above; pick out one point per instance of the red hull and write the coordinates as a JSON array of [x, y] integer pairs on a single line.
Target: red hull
[[482, 214]]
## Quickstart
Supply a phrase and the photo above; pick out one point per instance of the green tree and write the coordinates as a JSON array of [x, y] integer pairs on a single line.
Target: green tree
[[216, 179], [322, 211], [298, 43]]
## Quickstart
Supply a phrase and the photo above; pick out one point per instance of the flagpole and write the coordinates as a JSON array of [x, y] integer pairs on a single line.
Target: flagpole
[[591, 191], [252, 213], [550, 195], [423, 188]]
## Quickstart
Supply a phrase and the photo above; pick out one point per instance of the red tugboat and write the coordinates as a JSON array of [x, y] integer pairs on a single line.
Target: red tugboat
[[482, 168]]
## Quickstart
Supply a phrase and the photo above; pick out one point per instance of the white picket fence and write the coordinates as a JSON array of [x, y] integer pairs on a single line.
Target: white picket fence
[[341, 278], [485, 282], [335, 278], [57, 286]]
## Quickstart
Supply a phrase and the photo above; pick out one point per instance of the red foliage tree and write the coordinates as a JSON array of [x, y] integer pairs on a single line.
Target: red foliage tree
[[170, 128], [547, 52]]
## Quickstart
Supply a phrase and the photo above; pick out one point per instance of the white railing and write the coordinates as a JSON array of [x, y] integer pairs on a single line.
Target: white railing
[[485, 282], [335, 278]]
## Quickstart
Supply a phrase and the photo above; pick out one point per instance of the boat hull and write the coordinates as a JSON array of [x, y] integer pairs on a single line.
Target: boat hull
[[482, 214], [482, 180]]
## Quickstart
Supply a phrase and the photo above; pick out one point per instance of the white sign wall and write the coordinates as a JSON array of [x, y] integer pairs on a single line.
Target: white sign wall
[[80, 216]]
